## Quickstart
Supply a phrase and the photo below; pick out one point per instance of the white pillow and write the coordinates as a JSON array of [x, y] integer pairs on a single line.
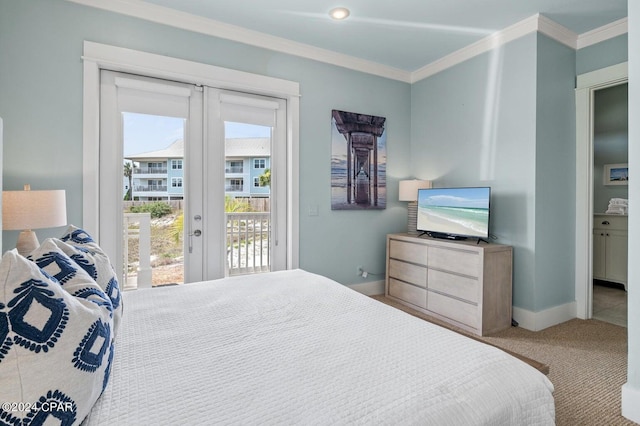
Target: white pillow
[[53, 261], [80, 247], [55, 348]]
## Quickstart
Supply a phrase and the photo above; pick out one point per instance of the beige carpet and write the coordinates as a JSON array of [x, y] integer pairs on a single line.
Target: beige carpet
[[587, 365]]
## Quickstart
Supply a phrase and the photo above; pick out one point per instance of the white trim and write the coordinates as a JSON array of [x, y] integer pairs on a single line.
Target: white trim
[[371, 288], [170, 17], [603, 77], [586, 85], [605, 32], [557, 32], [630, 406], [527, 26], [187, 21], [99, 56], [153, 65], [536, 321]]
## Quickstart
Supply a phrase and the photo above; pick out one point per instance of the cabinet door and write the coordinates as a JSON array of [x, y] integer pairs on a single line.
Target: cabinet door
[[616, 255], [599, 253]]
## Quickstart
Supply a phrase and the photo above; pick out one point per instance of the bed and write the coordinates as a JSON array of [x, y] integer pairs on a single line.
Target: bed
[[287, 347], [293, 347]]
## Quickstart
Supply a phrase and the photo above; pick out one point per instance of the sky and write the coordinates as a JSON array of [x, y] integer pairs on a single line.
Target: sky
[[144, 133]]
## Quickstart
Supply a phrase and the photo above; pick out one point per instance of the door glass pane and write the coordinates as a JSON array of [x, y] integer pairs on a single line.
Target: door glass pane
[[247, 197], [153, 194]]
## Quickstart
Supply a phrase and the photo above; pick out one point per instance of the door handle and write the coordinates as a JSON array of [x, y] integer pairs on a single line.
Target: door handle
[[196, 233]]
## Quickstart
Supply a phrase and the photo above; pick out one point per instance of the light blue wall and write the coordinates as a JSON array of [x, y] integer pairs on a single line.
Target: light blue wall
[[41, 103], [601, 55], [555, 175], [474, 125]]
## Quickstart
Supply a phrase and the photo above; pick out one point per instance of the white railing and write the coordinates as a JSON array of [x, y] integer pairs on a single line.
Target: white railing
[[247, 239], [142, 277], [248, 242]]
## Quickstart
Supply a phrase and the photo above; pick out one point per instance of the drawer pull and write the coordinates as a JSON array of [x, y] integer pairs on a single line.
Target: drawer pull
[[606, 222]]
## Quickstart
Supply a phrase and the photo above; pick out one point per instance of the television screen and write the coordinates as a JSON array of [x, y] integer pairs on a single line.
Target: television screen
[[454, 212]]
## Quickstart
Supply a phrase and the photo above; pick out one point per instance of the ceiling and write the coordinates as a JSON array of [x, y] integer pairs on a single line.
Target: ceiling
[[401, 34]]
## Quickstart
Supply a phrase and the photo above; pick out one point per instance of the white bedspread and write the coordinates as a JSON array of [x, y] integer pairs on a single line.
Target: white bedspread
[[296, 348]]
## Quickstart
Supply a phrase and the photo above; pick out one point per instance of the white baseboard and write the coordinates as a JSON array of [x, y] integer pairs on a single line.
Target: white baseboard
[[370, 288], [536, 321], [630, 406]]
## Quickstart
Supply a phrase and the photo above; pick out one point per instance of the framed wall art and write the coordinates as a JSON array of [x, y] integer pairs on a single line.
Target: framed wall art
[[616, 174], [358, 161]]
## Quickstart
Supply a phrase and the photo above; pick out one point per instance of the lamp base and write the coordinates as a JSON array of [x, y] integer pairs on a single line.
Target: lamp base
[[27, 242], [412, 218]]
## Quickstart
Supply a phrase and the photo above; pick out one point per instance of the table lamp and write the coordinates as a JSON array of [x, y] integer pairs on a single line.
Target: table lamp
[[409, 192], [27, 210]]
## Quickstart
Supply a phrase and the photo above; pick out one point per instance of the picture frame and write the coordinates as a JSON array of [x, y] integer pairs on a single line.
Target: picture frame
[[616, 174], [358, 161]]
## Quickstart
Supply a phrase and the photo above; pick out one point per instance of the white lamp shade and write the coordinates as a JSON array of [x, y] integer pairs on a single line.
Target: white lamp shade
[[33, 209], [409, 189]]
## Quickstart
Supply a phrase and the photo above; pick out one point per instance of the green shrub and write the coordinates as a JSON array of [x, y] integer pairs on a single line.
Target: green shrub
[[156, 208]]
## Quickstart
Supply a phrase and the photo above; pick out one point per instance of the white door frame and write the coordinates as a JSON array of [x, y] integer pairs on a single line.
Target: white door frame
[[98, 56], [586, 85]]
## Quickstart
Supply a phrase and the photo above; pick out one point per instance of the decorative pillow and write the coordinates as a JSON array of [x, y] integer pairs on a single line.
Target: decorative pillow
[[80, 247], [55, 348]]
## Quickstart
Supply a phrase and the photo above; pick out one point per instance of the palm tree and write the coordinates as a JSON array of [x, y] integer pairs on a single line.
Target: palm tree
[[265, 178], [128, 173]]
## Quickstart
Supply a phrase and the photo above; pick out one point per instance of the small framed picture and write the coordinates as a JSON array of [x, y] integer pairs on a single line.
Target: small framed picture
[[616, 174]]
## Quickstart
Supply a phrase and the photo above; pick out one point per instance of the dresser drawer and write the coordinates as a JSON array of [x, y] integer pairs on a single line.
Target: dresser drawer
[[410, 252], [409, 293], [454, 309], [455, 285], [414, 274], [458, 261]]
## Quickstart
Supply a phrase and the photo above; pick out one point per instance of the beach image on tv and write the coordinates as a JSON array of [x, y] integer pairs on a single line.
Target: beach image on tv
[[458, 211]]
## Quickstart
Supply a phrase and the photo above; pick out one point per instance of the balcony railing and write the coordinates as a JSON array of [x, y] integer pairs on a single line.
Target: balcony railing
[[248, 240], [150, 170], [152, 188], [234, 188], [239, 169]]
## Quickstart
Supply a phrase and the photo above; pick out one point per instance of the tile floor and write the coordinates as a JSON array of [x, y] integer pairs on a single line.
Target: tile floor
[[610, 304]]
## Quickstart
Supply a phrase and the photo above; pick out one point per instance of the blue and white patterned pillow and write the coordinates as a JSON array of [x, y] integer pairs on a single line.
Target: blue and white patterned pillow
[[80, 247], [55, 348]]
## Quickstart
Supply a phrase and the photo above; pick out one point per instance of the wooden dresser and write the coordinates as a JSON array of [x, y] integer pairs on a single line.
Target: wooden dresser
[[461, 282]]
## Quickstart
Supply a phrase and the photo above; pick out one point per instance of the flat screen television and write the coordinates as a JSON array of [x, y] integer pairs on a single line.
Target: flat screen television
[[454, 213]]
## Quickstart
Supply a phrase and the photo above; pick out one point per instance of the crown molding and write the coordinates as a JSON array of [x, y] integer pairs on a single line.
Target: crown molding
[[535, 23], [187, 21], [603, 33], [557, 32]]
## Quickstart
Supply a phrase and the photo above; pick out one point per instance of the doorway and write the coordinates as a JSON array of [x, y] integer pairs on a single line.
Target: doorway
[[587, 86], [168, 223], [610, 203]]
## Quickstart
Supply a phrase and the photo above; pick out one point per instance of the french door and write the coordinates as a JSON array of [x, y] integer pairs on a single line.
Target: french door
[[166, 182]]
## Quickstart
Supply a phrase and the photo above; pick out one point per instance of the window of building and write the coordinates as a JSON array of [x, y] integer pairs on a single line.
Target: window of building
[[176, 182], [235, 185], [234, 166], [176, 165], [259, 163]]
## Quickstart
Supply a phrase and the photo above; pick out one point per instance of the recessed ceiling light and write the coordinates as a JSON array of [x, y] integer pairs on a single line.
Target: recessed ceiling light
[[339, 13]]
